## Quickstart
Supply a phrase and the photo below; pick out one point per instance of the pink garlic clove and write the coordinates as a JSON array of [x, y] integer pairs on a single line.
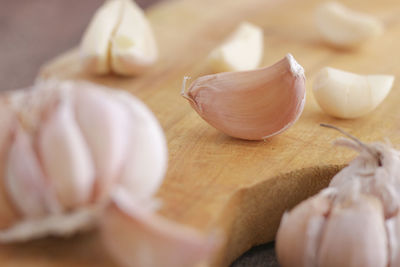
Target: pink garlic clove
[[25, 181], [254, 104], [8, 213], [65, 157], [300, 231], [147, 158], [104, 124], [135, 236], [355, 235]]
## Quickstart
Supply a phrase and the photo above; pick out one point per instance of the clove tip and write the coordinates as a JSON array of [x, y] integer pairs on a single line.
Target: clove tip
[[296, 69]]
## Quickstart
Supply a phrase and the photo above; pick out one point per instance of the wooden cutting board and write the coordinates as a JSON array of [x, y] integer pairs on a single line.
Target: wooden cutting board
[[215, 182]]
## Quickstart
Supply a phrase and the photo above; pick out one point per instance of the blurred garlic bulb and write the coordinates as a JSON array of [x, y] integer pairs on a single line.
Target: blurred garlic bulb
[[353, 222], [64, 148], [252, 105]]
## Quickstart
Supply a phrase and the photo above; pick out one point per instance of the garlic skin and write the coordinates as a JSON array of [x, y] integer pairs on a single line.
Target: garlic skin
[[243, 50], [137, 237], [345, 28], [348, 95], [119, 39], [252, 105], [69, 144], [359, 225]]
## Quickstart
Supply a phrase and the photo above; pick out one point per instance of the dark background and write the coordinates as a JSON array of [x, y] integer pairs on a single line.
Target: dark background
[[35, 31]]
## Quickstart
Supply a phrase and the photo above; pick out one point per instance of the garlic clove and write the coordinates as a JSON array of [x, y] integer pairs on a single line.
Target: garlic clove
[[95, 45], [243, 50], [24, 178], [133, 48], [251, 105], [104, 124], [147, 160], [8, 213], [355, 235], [343, 27], [299, 233], [348, 95], [65, 157], [135, 236]]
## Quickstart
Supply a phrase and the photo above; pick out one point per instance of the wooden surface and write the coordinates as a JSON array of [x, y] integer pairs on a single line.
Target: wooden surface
[[219, 183]]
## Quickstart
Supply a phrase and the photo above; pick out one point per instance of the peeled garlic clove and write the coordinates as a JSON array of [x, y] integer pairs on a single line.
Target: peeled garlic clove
[[355, 235], [135, 236], [343, 27], [146, 162], [25, 181], [133, 48], [299, 233], [95, 45], [243, 50], [66, 157], [251, 105], [104, 124], [348, 95]]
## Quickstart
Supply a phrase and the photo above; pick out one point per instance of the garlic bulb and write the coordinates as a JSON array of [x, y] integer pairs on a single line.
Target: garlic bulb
[[348, 95], [251, 105], [137, 237], [343, 27], [65, 146], [119, 39], [353, 222], [243, 50]]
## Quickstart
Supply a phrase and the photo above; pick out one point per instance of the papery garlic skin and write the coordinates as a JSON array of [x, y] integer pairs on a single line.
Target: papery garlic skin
[[360, 226], [252, 105], [137, 237], [243, 50], [63, 164], [343, 27], [119, 40], [348, 95]]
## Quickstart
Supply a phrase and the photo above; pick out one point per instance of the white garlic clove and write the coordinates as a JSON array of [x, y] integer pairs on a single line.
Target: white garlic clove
[[243, 50], [343, 27], [25, 181], [348, 95], [299, 233], [147, 158], [133, 47], [65, 157], [251, 105], [95, 45], [135, 236], [105, 125], [8, 213], [355, 235]]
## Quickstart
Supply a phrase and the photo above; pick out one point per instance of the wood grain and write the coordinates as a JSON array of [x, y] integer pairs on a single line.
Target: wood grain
[[215, 182]]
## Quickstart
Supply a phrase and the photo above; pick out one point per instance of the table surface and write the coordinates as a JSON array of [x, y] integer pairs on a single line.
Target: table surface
[[32, 32]]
